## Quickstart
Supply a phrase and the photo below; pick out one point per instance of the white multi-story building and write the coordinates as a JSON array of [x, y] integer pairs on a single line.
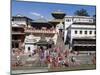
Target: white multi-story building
[[21, 20], [80, 33]]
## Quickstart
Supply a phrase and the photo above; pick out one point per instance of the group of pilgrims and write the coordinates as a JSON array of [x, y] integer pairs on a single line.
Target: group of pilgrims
[[52, 57]]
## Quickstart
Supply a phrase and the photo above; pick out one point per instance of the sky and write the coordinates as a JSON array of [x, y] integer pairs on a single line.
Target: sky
[[35, 10]]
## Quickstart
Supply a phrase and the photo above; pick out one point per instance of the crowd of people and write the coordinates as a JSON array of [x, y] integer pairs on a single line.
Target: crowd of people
[[52, 57]]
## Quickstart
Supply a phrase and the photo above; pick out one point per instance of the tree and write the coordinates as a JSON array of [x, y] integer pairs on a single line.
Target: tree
[[81, 12]]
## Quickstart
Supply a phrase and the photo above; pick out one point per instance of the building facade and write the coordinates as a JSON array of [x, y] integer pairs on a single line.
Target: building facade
[[21, 20], [19, 23], [39, 34], [18, 36], [80, 33]]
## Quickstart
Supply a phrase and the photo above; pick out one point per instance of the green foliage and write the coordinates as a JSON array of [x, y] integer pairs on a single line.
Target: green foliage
[[81, 12]]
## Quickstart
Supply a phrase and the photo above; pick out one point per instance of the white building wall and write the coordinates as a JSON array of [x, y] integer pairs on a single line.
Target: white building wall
[[27, 40], [32, 47], [83, 19], [73, 35], [83, 35], [30, 43], [19, 22], [83, 26], [69, 20], [48, 38]]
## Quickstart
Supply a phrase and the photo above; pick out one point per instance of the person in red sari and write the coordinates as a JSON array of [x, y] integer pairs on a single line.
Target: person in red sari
[[49, 61], [60, 59]]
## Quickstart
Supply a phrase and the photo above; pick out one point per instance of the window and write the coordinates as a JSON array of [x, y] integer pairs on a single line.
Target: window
[[16, 45], [12, 19], [75, 32], [80, 32], [68, 20], [15, 38], [90, 32], [28, 48], [85, 32], [90, 20]]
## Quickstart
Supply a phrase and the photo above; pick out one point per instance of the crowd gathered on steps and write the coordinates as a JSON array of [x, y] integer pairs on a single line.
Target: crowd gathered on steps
[[52, 57]]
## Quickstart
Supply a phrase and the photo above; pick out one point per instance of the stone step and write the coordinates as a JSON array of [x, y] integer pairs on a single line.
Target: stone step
[[82, 59]]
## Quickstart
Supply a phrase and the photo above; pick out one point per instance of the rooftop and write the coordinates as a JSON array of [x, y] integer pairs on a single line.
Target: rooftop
[[20, 16], [40, 20], [58, 14], [87, 17]]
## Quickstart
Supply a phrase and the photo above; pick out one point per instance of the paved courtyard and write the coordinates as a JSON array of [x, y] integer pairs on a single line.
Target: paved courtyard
[[45, 69]]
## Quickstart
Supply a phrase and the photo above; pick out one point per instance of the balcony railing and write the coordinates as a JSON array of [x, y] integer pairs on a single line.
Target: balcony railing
[[53, 31], [84, 45]]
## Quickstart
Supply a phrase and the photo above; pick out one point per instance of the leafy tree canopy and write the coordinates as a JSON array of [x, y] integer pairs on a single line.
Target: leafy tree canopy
[[81, 12]]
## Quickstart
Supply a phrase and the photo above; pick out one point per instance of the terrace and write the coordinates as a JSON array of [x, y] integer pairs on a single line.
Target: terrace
[[43, 30]]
